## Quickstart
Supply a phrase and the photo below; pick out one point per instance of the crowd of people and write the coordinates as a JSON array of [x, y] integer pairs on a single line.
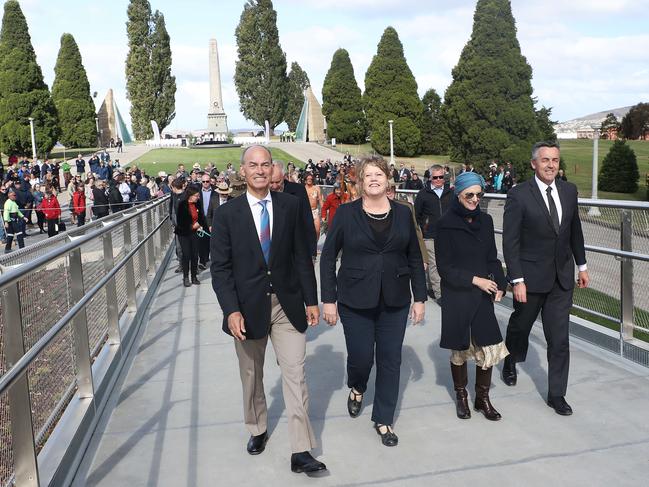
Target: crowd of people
[[381, 260]]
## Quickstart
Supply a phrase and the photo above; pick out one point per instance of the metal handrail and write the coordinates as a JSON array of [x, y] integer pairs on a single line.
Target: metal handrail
[[15, 274], [30, 355]]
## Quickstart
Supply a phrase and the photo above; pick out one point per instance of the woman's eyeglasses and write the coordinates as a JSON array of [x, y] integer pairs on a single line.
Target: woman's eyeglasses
[[470, 196]]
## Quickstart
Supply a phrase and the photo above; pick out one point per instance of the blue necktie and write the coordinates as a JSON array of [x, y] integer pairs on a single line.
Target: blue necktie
[[264, 230]]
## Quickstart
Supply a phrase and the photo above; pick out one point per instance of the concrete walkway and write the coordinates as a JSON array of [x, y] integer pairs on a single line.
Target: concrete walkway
[[177, 417], [308, 150]]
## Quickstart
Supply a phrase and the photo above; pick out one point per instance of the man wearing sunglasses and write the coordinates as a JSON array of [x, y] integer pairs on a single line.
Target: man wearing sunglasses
[[542, 242], [430, 204]]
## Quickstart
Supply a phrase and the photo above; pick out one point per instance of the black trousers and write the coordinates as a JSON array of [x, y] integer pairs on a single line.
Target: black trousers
[[15, 230], [190, 250], [51, 227], [81, 219], [40, 218], [555, 314], [381, 328]]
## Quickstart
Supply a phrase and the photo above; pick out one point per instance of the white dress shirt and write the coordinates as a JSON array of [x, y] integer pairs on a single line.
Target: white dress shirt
[[256, 207]]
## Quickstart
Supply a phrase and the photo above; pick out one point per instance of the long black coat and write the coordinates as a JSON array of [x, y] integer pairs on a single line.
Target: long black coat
[[461, 254]]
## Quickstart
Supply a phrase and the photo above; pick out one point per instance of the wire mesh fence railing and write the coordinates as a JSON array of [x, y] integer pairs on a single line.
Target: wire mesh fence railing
[[61, 304]]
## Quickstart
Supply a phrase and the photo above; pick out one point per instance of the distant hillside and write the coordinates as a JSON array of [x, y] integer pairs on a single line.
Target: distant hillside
[[568, 130]]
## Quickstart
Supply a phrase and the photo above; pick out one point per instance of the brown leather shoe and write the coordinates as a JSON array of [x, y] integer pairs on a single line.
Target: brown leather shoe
[[459, 373]]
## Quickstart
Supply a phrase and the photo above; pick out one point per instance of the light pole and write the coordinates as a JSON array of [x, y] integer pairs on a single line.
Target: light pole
[[391, 142], [594, 210], [31, 126], [97, 126], [325, 128]]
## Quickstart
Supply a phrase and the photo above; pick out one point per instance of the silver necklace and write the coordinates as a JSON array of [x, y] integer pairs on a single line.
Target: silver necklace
[[378, 218]]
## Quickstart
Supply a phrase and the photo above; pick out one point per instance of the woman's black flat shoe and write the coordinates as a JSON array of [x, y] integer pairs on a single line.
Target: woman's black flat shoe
[[353, 404], [389, 438]]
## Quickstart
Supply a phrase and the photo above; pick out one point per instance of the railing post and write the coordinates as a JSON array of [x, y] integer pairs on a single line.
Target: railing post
[[626, 279], [130, 269], [142, 253], [80, 325], [151, 255], [22, 428], [112, 306]]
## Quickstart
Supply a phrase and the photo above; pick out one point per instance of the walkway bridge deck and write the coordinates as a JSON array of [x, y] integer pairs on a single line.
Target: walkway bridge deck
[[175, 417]]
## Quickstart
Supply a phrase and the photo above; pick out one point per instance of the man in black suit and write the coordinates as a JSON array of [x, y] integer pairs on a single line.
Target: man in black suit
[[542, 241], [279, 183], [207, 201], [263, 278]]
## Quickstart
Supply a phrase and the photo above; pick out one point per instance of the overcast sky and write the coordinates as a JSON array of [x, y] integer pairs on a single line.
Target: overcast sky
[[587, 55]]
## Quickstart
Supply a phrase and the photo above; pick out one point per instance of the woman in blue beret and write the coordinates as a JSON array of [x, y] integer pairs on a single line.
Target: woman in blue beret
[[472, 279]]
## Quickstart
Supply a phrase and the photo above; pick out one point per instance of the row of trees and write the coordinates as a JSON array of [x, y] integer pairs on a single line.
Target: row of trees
[[150, 86], [488, 110], [634, 125]]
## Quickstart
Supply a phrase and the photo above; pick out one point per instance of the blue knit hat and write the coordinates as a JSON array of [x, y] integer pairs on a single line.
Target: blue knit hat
[[467, 179]]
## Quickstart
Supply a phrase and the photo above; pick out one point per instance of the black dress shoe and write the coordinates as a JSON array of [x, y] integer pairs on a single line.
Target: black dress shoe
[[187, 282], [304, 463], [389, 438], [195, 281], [354, 405], [257, 444], [509, 371], [559, 405]]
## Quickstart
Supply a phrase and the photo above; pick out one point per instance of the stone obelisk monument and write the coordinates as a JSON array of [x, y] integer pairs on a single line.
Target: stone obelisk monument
[[217, 120]]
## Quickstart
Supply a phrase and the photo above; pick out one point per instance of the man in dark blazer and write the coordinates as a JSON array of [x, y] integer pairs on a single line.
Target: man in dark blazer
[[263, 278], [542, 241], [278, 183], [209, 199]]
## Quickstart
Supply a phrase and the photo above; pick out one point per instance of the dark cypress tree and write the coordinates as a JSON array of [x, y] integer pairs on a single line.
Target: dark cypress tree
[[342, 102], [260, 73], [71, 95], [545, 124], [298, 81], [391, 94], [164, 107], [619, 172], [139, 81], [635, 123], [434, 133], [23, 93], [488, 106]]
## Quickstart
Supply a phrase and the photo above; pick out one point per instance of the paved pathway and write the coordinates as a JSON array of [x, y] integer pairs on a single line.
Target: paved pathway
[[177, 417], [308, 150]]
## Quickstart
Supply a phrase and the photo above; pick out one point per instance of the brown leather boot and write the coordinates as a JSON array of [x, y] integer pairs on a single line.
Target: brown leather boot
[[482, 402], [461, 397]]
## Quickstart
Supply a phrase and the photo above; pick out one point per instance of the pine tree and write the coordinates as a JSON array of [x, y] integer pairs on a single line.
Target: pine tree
[[434, 133], [545, 124], [260, 73], [164, 106], [619, 173], [23, 92], [610, 124], [139, 80], [488, 106], [298, 81], [71, 95], [342, 102], [391, 94]]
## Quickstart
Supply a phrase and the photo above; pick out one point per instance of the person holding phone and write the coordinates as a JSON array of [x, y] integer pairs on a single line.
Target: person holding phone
[[472, 278]]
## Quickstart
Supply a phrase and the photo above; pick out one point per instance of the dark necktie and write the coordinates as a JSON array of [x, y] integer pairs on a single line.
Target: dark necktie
[[554, 214]]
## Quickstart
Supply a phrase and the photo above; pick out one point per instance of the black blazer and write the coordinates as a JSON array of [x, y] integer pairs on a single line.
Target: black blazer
[[305, 207], [533, 250], [184, 219], [240, 277], [215, 202], [368, 271]]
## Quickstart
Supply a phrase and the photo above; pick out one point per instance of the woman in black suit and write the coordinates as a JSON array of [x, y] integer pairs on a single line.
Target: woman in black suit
[[472, 278], [189, 222], [381, 260]]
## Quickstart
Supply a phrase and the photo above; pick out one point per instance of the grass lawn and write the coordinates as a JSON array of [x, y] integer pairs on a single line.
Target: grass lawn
[[577, 153], [168, 159]]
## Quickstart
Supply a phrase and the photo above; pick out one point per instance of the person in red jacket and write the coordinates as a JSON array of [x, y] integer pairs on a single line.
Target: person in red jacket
[[52, 210], [331, 204], [79, 204]]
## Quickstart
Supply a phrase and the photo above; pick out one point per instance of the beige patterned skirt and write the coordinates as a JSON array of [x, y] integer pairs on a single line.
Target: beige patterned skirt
[[485, 357]]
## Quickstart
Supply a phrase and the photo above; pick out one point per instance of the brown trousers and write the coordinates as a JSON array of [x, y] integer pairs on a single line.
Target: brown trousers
[[290, 349]]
